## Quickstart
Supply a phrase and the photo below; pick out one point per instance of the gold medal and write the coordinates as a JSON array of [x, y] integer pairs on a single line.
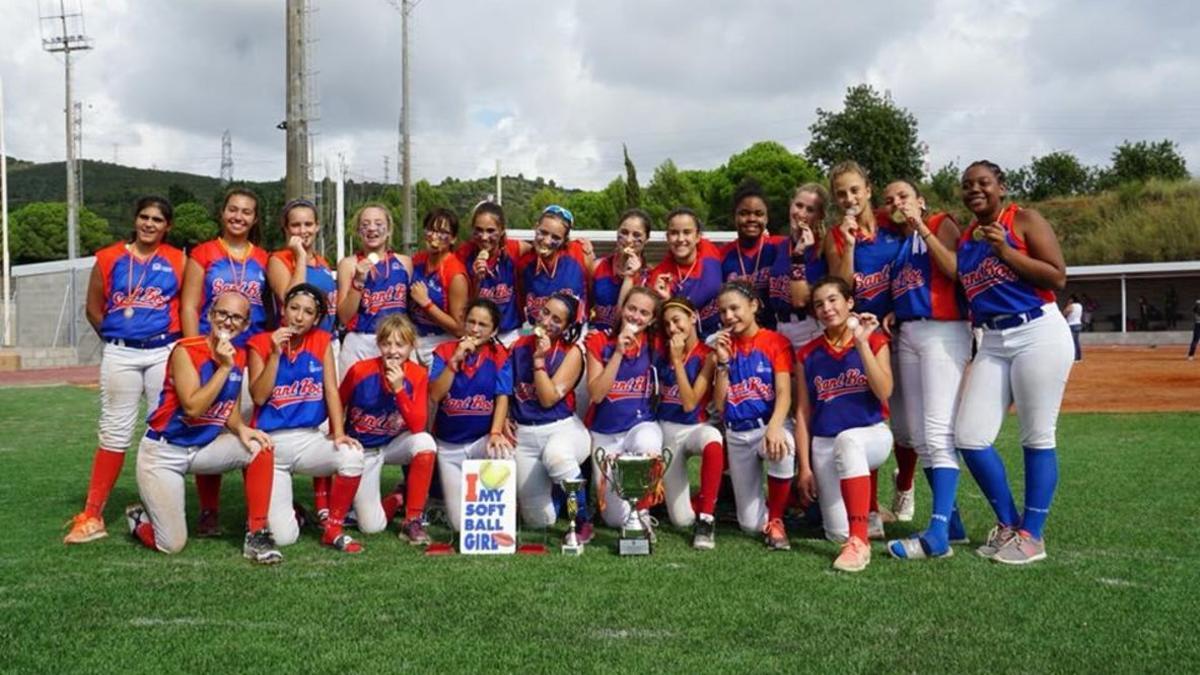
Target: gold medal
[[898, 217], [978, 234], [128, 312]]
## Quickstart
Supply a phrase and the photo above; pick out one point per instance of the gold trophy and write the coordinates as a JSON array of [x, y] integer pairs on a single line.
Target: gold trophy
[[571, 544]]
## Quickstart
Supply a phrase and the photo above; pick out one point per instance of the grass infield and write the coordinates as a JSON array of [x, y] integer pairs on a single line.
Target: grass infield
[[1118, 592]]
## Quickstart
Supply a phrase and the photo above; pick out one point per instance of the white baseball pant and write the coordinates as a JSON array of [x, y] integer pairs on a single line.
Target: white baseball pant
[[933, 357], [368, 506], [685, 441], [747, 457], [426, 344], [126, 375], [355, 347], [644, 439], [450, 458], [311, 453], [800, 332], [852, 453], [1026, 365], [509, 337], [161, 468], [547, 454], [902, 432]]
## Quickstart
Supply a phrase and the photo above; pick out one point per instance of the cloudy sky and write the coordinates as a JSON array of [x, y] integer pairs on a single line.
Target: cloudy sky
[[555, 88]]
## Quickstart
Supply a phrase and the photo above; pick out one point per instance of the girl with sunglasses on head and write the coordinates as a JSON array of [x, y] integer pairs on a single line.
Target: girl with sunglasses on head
[[439, 285], [553, 265]]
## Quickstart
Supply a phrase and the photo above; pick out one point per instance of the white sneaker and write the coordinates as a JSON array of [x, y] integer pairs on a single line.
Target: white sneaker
[[875, 526], [903, 505]]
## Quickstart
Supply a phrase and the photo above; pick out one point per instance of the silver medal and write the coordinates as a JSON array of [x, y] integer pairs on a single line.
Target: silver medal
[[128, 312]]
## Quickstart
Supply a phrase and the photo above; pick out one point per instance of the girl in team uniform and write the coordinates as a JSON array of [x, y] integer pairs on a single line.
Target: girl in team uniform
[[471, 383], [293, 381], [844, 379], [1009, 265], [232, 261], [491, 258], [439, 285], [799, 264], [616, 274], [934, 345], [752, 393], [133, 305], [299, 263], [692, 268], [553, 265], [387, 405], [685, 373], [751, 257], [620, 372], [551, 441], [372, 283], [184, 435], [860, 250]]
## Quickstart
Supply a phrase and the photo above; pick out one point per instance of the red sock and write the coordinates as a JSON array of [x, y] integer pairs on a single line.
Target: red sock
[[208, 488], [856, 493], [874, 507], [106, 466], [712, 465], [778, 490], [145, 534], [321, 492], [906, 461], [341, 496], [420, 475], [258, 478]]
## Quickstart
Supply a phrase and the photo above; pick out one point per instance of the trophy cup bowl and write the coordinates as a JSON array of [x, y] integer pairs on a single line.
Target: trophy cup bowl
[[571, 545], [632, 477]]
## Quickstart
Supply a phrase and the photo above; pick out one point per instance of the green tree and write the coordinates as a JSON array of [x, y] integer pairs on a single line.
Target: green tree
[[776, 169], [1058, 174], [942, 188], [872, 130], [593, 210], [178, 194], [541, 199], [39, 232], [193, 225], [669, 189], [1143, 160], [633, 192]]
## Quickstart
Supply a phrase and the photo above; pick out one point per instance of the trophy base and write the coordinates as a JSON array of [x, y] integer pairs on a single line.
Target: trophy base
[[572, 549], [633, 546]]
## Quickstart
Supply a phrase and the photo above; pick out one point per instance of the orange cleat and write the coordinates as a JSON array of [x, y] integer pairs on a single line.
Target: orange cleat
[[85, 528]]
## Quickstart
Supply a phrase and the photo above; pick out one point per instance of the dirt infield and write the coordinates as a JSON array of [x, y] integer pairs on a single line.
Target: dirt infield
[[1133, 379]]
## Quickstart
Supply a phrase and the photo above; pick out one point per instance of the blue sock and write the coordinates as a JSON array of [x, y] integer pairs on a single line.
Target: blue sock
[[988, 471], [958, 531], [1041, 477], [944, 484]]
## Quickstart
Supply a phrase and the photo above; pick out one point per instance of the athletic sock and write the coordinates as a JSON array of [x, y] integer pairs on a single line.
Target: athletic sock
[[208, 489], [712, 465], [944, 484], [954, 528], [145, 534], [259, 475], [106, 466], [906, 462], [778, 492], [341, 496], [321, 485], [856, 494], [988, 471], [874, 505], [1041, 477], [420, 475]]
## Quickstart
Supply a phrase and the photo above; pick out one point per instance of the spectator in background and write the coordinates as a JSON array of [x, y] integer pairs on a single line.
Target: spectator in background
[[1143, 313], [1195, 330], [1089, 312], [1171, 307], [1074, 313]]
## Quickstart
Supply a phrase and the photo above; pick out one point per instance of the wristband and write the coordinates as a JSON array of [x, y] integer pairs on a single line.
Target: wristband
[[425, 307]]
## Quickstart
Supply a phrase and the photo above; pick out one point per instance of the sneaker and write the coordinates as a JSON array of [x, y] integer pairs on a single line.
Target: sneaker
[[260, 547], [85, 528], [875, 526], [135, 515], [775, 536], [209, 524], [996, 539], [854, 556], [585, 531], [910, 548], [648, 522], [338, 539], [903, 505], [704, 534], [414, 531], [1021, 549]]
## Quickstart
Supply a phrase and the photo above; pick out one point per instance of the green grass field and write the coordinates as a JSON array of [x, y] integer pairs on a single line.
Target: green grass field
[[1118, 593]]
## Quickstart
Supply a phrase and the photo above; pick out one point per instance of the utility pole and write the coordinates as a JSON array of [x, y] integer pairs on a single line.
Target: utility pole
[[387, 164], [79, 152], [406, 7], [298, 183], [226, 158], [499, 185], [69, 38], [8, 337]]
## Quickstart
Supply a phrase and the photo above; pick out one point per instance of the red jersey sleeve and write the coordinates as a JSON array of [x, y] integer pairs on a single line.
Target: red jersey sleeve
[[595, 343], [106, 258], [808, 348], [286, 257], [414, 408], [204, 254], [877, 340], [464, 251], [261, 345], [451, 267], [779, 350]]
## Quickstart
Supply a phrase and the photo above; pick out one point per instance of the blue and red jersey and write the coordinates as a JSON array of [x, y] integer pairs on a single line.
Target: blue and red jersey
[[698, 281], [755, 362], [808, 268], [499, 284], [920, 290], [464, 415], [670, 405], [754, 265], [384, 292], [168, 420], [992, 286], [224, 272], [525, 408], [437, 281], [567, 272], [838, 392], [374, 413], [318, 274], [873, 256], [628, 400], [149, 287], [297, 399], [606, 291]]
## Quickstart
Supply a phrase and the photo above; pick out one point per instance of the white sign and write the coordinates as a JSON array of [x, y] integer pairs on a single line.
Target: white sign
[[489, 507]]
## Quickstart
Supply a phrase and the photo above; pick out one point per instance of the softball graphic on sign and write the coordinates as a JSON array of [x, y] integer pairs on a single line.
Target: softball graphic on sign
[[489, 507]]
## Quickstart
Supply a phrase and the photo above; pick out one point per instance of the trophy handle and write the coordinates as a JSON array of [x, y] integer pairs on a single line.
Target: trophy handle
[[603, 462], [667, 457]]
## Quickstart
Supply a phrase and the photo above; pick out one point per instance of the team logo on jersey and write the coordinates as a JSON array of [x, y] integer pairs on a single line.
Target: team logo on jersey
[[157, 267], [499, 293], [604, 315], [909, 279], [525, 391], [248, 288], [750, 389], [781, 288], [365, 423], [871, 286], [851, 381], [301, 391], [150, 297], [669, 395], [632, 388], [479, 404], [991, 272], [216, 415], [393, 297]]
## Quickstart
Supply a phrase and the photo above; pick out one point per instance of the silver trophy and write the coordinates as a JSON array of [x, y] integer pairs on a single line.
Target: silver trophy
[[571, 544], [632, 477]]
